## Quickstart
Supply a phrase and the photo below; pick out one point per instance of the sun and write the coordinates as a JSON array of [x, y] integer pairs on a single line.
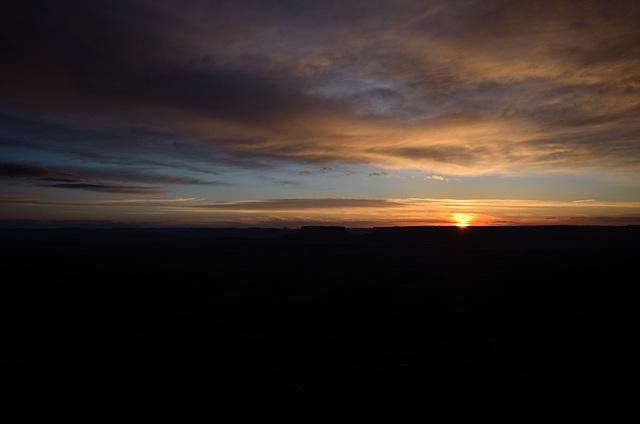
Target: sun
[[462, 219]]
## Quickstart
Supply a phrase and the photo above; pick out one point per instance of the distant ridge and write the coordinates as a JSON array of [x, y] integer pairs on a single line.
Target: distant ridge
[[508, 237], [323, 232]]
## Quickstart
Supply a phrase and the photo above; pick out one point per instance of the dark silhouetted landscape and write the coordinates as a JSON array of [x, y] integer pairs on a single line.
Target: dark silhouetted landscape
[[322, 324]]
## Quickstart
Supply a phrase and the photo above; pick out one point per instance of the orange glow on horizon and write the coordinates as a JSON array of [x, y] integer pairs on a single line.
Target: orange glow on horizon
[[462, 219]]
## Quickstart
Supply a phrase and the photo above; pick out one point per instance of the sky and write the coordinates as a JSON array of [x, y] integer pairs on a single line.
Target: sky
[[285, 113]]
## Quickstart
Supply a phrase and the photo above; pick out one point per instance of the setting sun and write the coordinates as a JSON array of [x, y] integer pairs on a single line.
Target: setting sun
[[462, 219]]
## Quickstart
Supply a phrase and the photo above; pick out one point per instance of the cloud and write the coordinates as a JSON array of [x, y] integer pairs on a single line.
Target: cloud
[[300, 204], [440, 178], [379, 174], [335, 211], [283, 182], [93, 179], [103, 188], [9, 200], [132, 174], [41, 173], [484, 87], [13, 170]]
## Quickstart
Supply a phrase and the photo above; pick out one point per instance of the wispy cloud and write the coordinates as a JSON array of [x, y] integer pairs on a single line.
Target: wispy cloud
[[103, 188], [425, 211], [99, 179], [21, 170], [21, 200], [13, 170], [299, 204], [440, 178], [355, 211]]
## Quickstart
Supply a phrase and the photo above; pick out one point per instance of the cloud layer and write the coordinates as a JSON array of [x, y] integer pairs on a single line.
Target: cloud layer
[[352, 211], [137, 97], [463, 87]]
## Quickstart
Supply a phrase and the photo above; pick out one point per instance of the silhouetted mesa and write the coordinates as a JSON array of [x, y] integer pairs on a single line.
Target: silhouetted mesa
[[323, 232]]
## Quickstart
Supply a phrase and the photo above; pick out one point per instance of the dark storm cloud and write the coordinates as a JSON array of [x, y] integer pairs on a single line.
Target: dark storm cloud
[[462, 87]]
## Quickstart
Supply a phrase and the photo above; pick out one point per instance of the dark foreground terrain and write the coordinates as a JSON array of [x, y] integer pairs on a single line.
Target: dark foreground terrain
[[434, 324]]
